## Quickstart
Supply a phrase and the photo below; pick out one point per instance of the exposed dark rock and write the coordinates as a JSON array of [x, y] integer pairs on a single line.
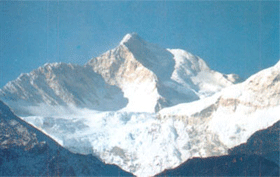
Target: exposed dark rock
[[230, 165]]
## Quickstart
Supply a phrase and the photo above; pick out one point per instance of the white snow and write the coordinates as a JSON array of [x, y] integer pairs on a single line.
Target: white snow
[[192, 72], [188, 109], [142, 97], [236, 128]]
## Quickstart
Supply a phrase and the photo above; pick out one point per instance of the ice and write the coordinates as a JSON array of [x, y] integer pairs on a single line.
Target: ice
[[135, 140], [234, 129]]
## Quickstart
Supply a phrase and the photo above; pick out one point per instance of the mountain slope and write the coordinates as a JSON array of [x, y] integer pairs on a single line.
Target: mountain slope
[[58, 88], [192, 72], [256, 100], [231, 112], [26, 151]]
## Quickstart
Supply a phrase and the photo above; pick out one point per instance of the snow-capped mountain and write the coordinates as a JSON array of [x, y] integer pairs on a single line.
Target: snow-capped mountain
[[145, 108], [152, 77], [25, 151], [148, 143]]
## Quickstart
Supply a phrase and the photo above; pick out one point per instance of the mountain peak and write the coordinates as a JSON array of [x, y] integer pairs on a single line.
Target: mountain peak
[[130, 37]]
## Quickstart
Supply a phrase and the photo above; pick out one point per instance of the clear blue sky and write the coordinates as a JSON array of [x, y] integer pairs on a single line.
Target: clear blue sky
[[232, 37]]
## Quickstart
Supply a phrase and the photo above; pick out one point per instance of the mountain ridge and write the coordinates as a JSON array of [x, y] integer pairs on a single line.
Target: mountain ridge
[[135, 76]]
